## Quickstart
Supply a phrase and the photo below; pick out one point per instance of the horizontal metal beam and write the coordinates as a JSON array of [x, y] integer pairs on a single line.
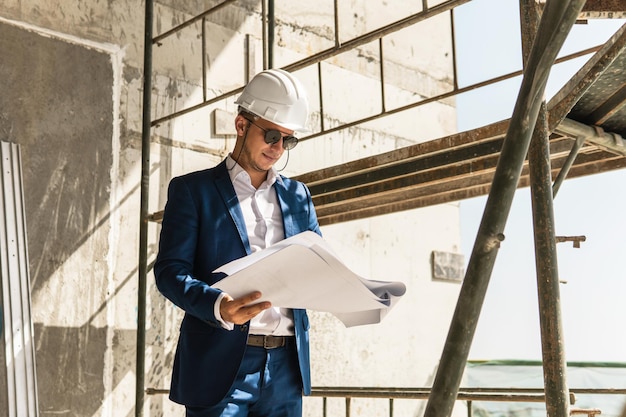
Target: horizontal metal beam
[[497, 394], [604, 6], [449, 169], [594, 134]]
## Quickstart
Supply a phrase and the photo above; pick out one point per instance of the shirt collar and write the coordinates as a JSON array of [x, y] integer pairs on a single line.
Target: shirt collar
[[238, 173]]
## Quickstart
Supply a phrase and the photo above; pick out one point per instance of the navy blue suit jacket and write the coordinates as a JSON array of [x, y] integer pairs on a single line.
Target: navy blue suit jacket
[[203, 228]]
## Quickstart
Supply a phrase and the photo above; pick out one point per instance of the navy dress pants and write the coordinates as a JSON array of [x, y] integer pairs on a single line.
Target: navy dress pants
[[268, 385]]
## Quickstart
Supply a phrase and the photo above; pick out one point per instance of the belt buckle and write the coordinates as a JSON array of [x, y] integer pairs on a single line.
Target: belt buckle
[[266, 342]]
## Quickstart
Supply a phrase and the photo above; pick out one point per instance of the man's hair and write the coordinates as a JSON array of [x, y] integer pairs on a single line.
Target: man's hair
[[246, 114]]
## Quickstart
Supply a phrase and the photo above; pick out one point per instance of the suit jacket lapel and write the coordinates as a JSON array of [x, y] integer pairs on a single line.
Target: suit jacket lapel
[[227, 192], [283, 196]]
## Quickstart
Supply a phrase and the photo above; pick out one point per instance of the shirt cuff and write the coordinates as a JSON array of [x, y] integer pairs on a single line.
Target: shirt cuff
[[216, 311]]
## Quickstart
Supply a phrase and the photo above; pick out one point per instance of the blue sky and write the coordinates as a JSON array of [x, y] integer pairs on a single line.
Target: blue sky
[[593, 304]]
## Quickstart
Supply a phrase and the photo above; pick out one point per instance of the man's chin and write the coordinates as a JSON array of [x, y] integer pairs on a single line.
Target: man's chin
[[263, 167]]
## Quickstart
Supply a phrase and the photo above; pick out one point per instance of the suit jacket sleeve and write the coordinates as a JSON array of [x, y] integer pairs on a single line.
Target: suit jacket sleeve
[[178, 247]]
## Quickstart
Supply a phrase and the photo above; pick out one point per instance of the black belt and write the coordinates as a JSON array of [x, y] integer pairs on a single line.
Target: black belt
[[269, 342]]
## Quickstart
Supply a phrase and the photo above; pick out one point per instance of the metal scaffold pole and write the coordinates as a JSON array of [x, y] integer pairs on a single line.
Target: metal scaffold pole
[[542, 195], [552, 341], [143, 225], [556, 22]]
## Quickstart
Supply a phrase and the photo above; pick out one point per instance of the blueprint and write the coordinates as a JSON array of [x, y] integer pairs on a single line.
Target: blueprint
[[303, 272]]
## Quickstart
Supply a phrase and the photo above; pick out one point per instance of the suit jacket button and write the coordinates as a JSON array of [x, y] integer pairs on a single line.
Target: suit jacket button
[[243, 327]]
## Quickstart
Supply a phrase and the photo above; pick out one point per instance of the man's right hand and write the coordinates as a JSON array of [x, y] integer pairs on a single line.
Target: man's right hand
[[241, 310]]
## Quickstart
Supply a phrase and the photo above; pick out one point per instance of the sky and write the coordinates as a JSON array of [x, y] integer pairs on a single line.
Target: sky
[[594, 275]]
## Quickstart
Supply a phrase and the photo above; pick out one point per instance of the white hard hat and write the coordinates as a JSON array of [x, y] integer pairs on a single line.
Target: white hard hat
[[277, 96]]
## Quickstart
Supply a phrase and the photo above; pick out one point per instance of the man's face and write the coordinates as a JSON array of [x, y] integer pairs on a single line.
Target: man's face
[[253, 154]]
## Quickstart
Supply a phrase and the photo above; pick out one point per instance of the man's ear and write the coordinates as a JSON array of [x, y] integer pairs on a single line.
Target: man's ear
[[241, 124]]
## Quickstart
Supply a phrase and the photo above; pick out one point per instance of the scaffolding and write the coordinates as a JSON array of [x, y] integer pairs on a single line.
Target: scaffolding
[[579, 132]]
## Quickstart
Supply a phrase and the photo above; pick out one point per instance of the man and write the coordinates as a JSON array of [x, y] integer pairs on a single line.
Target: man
[[239, 357]]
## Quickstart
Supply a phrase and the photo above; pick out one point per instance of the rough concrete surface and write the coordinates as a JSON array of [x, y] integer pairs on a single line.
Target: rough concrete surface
[[71, 96], [56, 103]]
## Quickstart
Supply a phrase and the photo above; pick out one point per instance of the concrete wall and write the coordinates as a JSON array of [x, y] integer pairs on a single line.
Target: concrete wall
[[71, 80]]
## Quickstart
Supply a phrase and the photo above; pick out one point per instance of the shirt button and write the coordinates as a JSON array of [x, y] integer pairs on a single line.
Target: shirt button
[[243, 327]]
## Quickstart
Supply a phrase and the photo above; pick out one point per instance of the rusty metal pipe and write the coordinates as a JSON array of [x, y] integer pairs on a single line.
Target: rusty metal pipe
[[542, 195], [552, 339], [612, 142], [567, 165]]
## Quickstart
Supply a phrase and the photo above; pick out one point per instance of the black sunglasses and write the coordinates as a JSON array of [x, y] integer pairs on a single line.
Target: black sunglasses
[[272, 136]]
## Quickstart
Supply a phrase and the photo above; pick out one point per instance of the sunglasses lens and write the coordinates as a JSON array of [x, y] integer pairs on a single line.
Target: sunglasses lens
[[272, 136], [290, 142]]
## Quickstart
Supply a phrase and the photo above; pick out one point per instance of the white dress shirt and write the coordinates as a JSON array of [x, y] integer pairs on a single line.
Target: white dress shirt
[[264, 224]]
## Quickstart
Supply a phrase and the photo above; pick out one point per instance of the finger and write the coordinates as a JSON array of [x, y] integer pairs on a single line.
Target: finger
[[245, 314], [255, 309], [248, 298], [240, 310], [231, 305]]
